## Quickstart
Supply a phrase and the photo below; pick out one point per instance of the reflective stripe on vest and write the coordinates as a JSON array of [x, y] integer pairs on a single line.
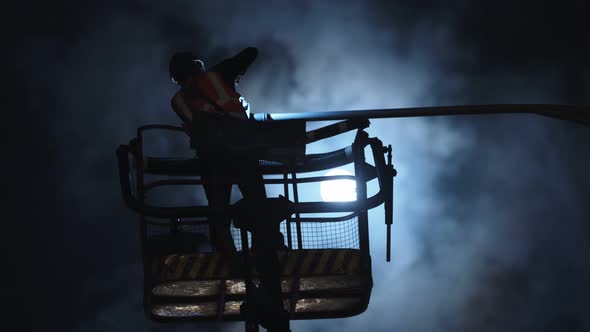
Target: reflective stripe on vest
[[214, 90]]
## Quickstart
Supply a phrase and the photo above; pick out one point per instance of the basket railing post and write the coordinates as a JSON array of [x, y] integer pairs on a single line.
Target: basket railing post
[[137, 153], [251, 324], [288, 221], [361, 192], [297, 215]]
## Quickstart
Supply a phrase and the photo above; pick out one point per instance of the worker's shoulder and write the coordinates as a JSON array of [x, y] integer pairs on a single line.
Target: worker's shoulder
[[176, 98]]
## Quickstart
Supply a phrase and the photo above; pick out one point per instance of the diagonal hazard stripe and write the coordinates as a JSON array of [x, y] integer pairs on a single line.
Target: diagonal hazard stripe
[[211, 266], [338, 266], [291, 262], [322, 265], [309, 256], [169, 266], [353, 263], [197, 262], [300, 262], [176, 272], [170, 259]]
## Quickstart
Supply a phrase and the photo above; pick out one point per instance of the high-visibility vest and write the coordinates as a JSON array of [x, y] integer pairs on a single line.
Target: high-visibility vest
[[215, 95]]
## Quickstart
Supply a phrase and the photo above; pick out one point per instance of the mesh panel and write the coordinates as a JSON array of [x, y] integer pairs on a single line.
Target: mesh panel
[[202, 229], [161, 239], [236, 234], [316, 235], [325, 235], [161, 229]]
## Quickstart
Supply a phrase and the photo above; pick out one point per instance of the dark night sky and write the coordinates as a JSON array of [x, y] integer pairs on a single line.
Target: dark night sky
[[491, 213]]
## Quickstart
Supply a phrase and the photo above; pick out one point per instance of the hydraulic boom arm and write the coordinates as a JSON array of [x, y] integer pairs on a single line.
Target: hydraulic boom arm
[[579, 114]]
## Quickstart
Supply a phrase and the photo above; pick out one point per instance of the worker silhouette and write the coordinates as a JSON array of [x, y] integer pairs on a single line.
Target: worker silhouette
[[214, 114], [210, 96]]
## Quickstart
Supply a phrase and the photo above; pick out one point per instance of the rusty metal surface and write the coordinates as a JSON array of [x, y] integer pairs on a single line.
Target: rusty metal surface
[[326, 305], [201, 310], [344, 282], [188, 288], [314, 297], [205, 288], [232, 308], [304, 309]]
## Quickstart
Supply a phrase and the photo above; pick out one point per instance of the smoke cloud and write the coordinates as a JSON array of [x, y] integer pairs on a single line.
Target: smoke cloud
[[490, 213]]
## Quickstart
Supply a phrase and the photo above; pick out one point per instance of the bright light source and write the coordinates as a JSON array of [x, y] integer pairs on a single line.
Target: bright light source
[[338, 190]]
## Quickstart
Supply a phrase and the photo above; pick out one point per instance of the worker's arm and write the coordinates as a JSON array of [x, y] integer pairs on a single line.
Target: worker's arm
[[230, 68], [181, 108]]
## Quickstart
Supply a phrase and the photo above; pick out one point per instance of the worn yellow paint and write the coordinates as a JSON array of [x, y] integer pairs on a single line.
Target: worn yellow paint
[[196, 267], [338, 263], [353, 264], [178, 271], [321, 267], [211, 266]]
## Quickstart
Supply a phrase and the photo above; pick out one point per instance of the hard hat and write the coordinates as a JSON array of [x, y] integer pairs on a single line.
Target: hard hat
[[184, 64]]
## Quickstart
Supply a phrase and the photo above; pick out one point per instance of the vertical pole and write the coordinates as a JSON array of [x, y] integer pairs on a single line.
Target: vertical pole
[[361, 191], [140, 193], [147, 265], [297, 215], [251, 324], [389, 202], [288, 221]]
